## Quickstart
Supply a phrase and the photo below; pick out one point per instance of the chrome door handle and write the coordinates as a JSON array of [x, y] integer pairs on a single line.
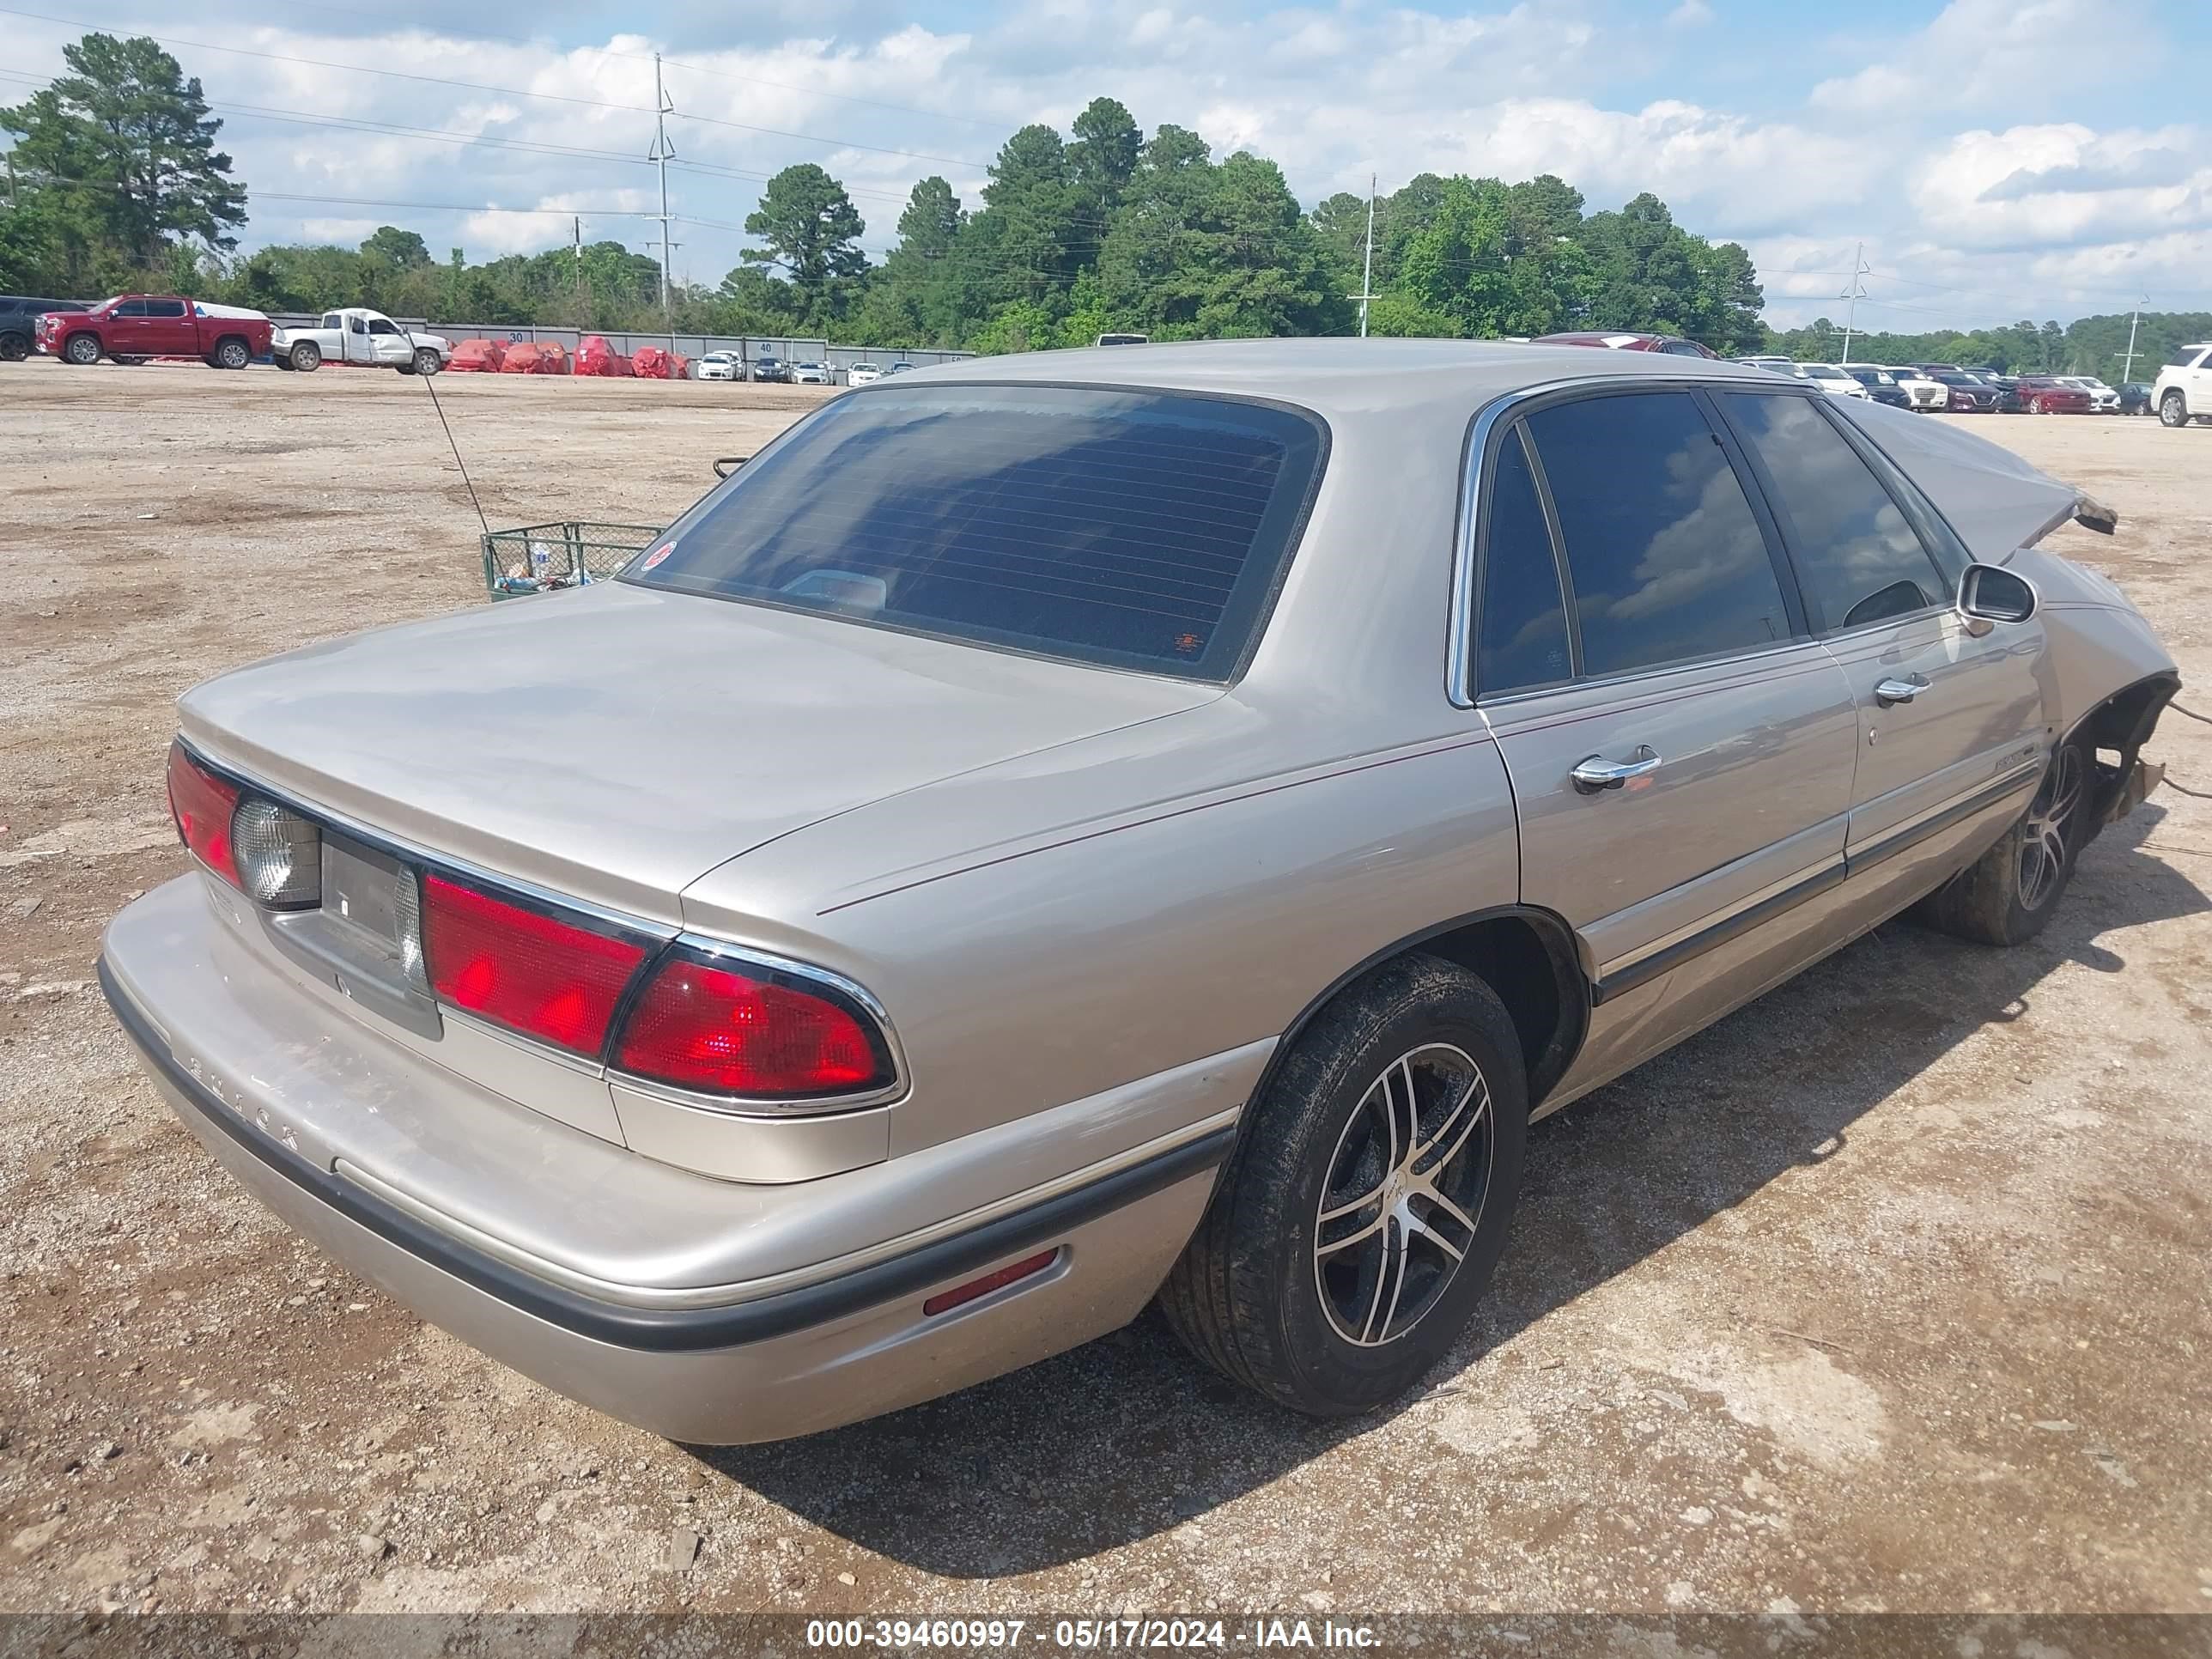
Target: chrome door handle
[[1598, 773], [1890, 691]]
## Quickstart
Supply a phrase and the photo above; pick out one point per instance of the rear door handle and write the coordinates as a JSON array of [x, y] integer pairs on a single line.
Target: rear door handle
[[1596, 773], [1904, 691]]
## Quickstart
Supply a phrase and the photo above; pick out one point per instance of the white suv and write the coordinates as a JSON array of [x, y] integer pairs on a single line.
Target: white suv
[[2184, 392]]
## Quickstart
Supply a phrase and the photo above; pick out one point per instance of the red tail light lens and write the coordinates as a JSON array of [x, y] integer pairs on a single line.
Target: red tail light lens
[[547, 978], [762, 1035], [202, 804]]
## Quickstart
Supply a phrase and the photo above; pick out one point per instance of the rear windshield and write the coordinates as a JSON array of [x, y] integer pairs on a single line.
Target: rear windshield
[[1134, 530]]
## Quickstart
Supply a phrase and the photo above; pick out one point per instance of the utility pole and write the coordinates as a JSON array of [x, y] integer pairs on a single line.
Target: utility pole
[[1854, 291], [661, 153], [2128, 367], [1367, 273]]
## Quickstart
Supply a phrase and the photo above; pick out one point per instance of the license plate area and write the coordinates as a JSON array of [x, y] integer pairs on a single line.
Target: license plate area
[[361, 938], [361, 893]]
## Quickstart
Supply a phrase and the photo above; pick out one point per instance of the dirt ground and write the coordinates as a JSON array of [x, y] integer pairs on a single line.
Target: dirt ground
[[1889, 1292]]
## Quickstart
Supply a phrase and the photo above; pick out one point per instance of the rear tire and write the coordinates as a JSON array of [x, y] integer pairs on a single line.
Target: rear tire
[[2173, 410], [1368, 1199], [232, 353], [2007, 896]]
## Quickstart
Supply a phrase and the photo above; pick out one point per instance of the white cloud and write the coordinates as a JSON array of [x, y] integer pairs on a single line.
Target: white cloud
[[1910, 145]]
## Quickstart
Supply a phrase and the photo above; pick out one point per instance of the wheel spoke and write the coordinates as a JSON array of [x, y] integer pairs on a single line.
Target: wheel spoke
[[1357, 1234], [1348, 1206], [1466, 1113], [1438, 1201], [1390, 1273], [1424, 1230]]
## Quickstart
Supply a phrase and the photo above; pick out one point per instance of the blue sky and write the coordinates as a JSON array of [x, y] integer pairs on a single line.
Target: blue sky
[[1999, 158]]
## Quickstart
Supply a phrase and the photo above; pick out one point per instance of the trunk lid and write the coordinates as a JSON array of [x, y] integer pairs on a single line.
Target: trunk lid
[[618, 743]]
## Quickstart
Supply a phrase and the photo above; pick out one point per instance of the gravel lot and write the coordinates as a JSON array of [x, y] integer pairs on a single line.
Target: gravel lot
[[1889, 1292]]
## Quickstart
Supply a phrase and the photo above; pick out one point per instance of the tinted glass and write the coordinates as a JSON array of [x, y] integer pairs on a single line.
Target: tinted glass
[[1667, 562], [380, 326], [330, 320], [1524, 625], [165, 308], [1858, 559], [1140, 530], [1681, 349], [129, 308]]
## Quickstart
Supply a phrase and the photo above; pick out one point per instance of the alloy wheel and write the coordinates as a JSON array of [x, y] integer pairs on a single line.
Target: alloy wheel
[[1403, 1195], [2043, 846]]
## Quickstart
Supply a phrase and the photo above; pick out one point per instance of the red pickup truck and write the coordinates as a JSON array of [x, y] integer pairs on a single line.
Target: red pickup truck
[[132, 327]]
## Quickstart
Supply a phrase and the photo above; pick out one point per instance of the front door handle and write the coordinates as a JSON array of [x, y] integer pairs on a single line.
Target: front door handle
[[1598, 773], [1904, 691]]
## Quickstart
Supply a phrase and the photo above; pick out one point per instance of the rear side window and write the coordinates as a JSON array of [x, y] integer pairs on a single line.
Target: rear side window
[[1137, 530], [1858, 561], [165, 308], [1667, 560], [1523, 636]]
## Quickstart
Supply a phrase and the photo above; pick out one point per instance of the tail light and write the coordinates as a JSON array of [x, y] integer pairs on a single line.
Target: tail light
[[537, 974], [759, 1033], [202, 804]]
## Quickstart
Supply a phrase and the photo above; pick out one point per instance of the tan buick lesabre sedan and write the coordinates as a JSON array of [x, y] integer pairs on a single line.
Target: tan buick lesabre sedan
[[1057, 831]]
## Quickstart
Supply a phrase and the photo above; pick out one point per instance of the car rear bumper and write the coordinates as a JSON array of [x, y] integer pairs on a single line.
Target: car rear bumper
[[787, 1353]]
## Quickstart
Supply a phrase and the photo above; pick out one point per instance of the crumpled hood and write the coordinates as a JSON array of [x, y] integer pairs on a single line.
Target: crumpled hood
[[1995, 501], [615, 744]]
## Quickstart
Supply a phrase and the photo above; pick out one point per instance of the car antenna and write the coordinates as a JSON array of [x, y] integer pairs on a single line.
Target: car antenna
[[428, 386]]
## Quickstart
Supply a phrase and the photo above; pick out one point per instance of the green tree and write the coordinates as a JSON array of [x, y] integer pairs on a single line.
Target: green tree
[[1025, 244], [812, 232], [402, 250], [123, 146], [1102, 160]]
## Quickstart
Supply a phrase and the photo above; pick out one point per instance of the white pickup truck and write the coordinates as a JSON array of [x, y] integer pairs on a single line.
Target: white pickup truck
[[2184, 392], [365, 339]]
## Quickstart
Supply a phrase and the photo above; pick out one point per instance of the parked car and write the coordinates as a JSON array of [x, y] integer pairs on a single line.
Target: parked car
[[1029, 949], [773, 370], [2103, 399], [1922, 389], [1779, 365], [132, 327], [864, 374], [720, 366], [813, 374], [2183, 391], [356, 336], [1828, 378], [2007, 387], [1964, 393], [1123, 339], [19, 318], [900, 368], [2047, 394], [2135, 397], [1881, 384], [1673, 344]]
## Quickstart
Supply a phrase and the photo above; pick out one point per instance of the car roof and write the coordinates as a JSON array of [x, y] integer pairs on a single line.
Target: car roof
[[1344, 377]]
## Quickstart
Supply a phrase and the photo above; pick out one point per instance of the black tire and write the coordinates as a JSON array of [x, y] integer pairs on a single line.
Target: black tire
[[2007, 896], [83, 350], [2173, 410], [427, 361], [1258, 1296], [232, 352], [307, 357], [282, 362], [14, 348]]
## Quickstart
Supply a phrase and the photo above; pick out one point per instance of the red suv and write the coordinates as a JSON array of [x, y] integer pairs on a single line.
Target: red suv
[[1669, 343]]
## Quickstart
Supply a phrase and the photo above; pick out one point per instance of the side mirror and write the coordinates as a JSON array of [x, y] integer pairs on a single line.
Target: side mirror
[[1990, 594]]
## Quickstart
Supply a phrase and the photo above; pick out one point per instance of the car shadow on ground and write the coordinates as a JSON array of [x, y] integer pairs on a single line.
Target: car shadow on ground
[[1128, 1435]]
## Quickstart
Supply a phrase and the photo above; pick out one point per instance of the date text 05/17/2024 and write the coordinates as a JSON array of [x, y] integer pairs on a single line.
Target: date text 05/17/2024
[[1087, 1634]]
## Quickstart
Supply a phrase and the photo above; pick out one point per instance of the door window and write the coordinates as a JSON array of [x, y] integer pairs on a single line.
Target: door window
[[1524, 624], [355, 325], [1858, 560], [1667, 559], [378, 325], [129, 308], [165, 308]]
